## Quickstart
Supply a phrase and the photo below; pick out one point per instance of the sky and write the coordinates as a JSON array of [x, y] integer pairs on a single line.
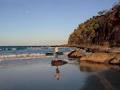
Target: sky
[[44, 22]]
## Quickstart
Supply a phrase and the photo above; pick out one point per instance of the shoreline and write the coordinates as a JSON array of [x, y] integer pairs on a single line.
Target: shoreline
[[26, 56]]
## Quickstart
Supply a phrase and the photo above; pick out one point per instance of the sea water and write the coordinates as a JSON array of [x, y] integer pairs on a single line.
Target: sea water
[[39, 74]]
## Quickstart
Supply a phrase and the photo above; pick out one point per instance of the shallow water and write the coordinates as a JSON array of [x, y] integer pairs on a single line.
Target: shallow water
[[39, 74]]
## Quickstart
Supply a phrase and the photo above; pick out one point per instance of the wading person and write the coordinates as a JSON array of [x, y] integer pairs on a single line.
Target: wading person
[[56, 52]]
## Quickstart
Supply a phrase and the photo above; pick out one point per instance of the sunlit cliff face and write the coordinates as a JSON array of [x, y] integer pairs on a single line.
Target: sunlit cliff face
[[100, 30]]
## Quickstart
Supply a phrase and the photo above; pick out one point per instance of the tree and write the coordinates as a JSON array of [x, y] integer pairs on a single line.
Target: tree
[[102, 12]]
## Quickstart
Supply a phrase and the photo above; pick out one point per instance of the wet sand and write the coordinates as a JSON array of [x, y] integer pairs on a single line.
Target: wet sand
[[39, 74], [103, 77]]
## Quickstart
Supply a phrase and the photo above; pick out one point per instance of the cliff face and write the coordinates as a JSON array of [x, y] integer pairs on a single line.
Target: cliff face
[[103, 29]]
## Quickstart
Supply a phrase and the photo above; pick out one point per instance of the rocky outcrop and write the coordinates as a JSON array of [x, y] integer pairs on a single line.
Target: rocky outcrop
[[76, 54], [98, 58], [106, 58], [103, 29]]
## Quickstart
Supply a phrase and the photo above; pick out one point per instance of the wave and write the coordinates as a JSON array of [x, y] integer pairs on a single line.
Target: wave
[[22, 56]]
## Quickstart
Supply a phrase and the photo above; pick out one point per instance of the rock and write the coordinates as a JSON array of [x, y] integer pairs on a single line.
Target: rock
[[58, 62], [115, 60], [76, 54], [98, 58]]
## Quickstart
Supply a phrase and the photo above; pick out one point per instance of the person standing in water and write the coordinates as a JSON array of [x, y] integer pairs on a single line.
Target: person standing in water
[[56, 50]]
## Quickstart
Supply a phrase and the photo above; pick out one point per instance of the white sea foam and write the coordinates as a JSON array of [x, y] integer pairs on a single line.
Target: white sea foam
[[22, 56]]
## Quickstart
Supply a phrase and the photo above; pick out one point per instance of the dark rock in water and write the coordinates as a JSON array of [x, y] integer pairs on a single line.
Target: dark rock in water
[[100, 30], [70, 55], [49, 54], [59, 53], [58, 62]]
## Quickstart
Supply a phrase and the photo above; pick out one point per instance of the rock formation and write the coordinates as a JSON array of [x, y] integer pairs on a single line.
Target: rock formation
[[103, 29]]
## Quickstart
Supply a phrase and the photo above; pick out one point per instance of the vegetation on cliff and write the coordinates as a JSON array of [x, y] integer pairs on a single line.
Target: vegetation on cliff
[[103, 29]]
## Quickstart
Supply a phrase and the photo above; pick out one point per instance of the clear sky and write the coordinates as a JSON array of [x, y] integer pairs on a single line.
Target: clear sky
[[41, 22]]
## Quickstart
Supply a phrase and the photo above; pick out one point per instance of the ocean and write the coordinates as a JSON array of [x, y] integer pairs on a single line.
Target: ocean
[[40, 74]]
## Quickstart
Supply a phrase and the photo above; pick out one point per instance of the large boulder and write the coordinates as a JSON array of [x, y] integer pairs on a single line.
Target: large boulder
[[76, 54]]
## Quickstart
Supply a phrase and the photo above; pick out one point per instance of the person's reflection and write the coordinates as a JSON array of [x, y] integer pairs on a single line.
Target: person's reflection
[[57, 64], [57, 74]]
